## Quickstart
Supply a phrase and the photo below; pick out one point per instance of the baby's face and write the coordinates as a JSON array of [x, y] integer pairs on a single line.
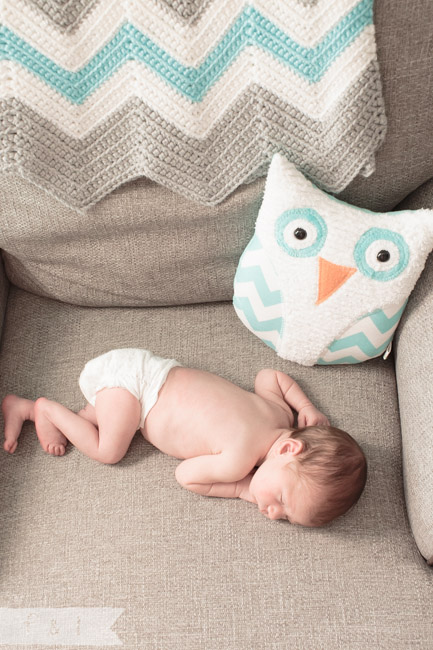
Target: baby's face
[[279, 492]]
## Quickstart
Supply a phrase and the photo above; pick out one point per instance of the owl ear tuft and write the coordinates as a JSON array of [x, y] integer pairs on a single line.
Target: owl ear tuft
[[282, 173], [426, 219], [429, 221]]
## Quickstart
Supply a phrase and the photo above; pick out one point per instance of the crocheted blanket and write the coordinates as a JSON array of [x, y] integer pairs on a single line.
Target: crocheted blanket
[[196, 95]]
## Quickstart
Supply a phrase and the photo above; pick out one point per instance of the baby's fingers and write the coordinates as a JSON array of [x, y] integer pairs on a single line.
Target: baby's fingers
[[324, 422], [316, 420], [302, 421]]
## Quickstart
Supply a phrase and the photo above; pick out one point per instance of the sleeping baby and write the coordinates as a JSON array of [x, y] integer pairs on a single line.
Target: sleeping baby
[[234, 443]]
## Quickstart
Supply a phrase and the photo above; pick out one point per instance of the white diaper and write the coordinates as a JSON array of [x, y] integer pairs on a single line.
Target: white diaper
[[139, 371]]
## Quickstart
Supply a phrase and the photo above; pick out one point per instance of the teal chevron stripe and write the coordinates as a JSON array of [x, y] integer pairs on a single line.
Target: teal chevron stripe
[[243, 304], [381, 320], [361, 341], [255, 274], [312, 63], [343, 360], [254, 245], [131, 44]]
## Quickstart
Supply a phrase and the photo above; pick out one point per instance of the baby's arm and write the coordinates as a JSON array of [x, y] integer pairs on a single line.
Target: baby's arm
[[215, 475], [274, 383]]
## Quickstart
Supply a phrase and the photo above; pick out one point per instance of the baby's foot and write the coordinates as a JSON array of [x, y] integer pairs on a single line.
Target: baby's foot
[[15, 411], [52, 440]]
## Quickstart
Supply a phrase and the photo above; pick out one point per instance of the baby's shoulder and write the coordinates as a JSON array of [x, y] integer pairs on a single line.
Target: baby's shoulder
[[276, 411]]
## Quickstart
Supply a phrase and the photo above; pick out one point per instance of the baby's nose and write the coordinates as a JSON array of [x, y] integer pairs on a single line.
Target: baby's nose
[[273, 512]]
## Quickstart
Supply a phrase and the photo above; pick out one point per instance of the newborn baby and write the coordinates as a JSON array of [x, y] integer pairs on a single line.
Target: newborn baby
[[234, 443]]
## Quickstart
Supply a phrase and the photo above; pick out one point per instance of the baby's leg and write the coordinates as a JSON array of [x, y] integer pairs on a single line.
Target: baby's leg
[[117, 413], [16, 410], [88, 413]]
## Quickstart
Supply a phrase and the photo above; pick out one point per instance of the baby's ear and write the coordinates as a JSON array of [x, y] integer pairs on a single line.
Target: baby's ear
[[291, 446]]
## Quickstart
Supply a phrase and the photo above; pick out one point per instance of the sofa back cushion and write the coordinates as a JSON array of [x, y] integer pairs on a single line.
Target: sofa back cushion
[[142, 245]]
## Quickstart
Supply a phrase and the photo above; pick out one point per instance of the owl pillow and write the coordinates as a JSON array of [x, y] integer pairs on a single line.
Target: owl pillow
[[324, 282]]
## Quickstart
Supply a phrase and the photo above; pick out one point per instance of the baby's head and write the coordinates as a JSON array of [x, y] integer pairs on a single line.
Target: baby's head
[[310, 476]]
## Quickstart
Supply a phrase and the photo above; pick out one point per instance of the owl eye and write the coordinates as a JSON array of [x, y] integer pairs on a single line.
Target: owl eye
[[300, 232], [381, 254]]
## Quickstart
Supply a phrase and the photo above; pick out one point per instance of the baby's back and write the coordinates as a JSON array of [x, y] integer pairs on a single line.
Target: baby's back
[[199, 413]]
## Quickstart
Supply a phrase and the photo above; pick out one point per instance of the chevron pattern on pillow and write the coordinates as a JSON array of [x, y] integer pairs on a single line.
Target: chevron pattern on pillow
[[196, 96], [370, 337], [259, 304], [257, 298]]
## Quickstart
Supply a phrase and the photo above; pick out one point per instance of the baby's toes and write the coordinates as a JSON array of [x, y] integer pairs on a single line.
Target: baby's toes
[[10, 446], [55, 449], [58, 450]]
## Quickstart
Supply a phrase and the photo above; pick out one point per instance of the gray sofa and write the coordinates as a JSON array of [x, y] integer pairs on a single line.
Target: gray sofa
[[148, 268]]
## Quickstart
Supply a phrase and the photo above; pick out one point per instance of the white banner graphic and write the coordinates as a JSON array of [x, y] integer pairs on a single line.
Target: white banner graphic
[[59, 626]]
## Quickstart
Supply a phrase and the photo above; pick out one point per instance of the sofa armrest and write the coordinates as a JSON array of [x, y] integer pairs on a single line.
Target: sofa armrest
[[4, 290], [413, 349]]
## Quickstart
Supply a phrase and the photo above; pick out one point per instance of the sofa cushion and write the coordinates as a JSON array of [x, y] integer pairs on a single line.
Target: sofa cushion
[[4, 290], [141, 245], [414, 368], [189, 571]]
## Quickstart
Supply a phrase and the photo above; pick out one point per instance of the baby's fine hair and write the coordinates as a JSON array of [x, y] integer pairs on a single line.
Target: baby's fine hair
[[334, 467]]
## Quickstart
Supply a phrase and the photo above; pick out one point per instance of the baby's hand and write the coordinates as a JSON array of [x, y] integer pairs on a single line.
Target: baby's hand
[[310, 416]]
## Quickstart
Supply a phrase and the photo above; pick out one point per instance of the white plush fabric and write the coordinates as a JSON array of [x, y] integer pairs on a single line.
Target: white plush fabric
[[334, 291]]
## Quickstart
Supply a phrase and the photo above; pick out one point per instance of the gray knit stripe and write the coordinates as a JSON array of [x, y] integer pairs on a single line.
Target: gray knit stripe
[[136, 141], [70, 14], [67, 16]]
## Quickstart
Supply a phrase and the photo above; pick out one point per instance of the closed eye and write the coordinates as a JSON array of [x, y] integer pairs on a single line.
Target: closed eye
[[286, 517]]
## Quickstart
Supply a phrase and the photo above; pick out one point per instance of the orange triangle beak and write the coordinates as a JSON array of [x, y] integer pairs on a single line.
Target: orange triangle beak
[[331, 277]]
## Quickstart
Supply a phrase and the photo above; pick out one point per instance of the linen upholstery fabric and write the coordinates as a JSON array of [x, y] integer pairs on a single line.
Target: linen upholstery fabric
[[4, 290], [414, 345], [189, 571], [198, 106], [141, 245]]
